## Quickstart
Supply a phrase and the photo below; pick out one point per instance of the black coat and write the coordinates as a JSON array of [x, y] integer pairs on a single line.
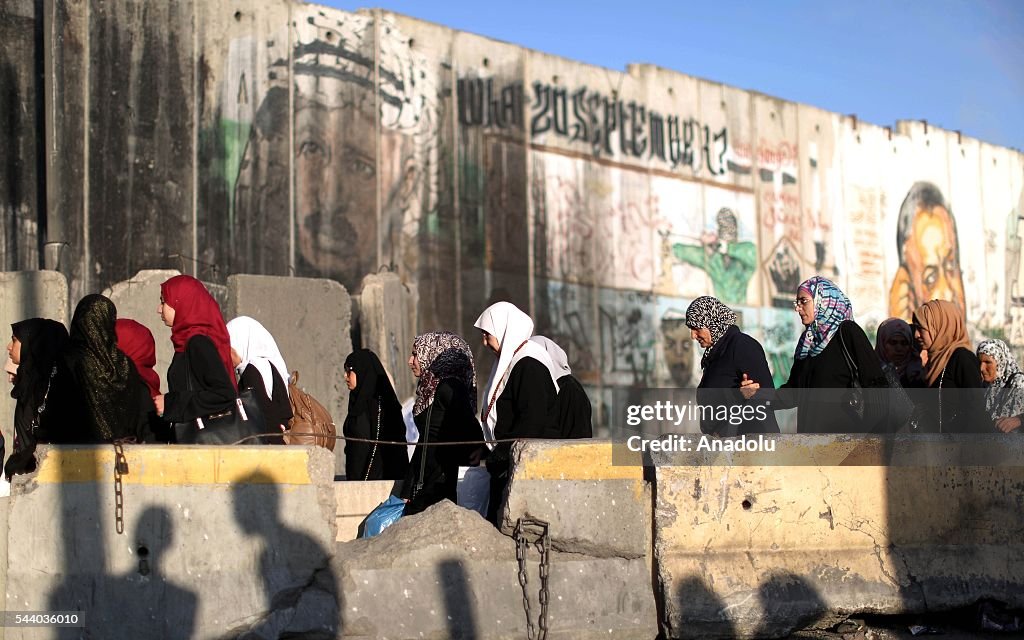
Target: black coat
[[962, 398], [198, 383], [452, 419], [816, 385], [277, 411], [574, 410], [734, 354], [527, 408]]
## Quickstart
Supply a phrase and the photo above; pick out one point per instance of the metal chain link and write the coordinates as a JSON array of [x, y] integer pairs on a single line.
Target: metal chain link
[[542, 539], [120, 468]]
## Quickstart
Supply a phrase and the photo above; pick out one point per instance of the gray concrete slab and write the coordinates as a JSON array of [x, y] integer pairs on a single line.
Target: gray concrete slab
[[387, 322], [310, 321]]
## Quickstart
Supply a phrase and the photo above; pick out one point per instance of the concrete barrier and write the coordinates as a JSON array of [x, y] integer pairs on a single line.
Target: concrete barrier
[[447, 573], [387, 325], [310, 320], [217, 542], [593, 507], [355, 500], [23, 295], [756, 551]]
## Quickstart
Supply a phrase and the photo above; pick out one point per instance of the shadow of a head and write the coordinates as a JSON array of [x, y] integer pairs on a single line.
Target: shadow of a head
[[256, 502], [154, 532]]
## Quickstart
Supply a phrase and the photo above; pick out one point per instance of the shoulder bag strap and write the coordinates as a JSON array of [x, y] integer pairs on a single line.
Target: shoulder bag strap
[[423, 453], [849, 360]]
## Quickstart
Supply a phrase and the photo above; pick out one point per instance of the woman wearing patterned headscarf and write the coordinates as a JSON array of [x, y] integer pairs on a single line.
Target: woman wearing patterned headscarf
[[896, 348], [830, 337], [1005, 397], [116, 398], [445, 411], [730, 357], [374, 413], [941, 330]]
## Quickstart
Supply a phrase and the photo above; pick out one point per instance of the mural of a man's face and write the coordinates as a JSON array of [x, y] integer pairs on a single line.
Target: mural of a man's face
[[678, 347], [336, 188], [930, 254]]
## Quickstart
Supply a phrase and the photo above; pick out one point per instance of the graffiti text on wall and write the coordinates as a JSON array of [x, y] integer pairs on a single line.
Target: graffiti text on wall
[[608, 125]]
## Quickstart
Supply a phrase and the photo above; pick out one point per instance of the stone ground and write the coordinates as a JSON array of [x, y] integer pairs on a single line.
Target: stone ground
[[960, 625]]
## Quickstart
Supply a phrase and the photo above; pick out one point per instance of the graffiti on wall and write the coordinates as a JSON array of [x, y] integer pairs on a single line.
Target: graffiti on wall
[[605, 125], [929, 253], [358, 190]]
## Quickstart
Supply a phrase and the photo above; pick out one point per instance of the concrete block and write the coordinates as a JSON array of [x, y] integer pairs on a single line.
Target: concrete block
[[757, 551], [310, 320], [447, 573], [23, 295], [355, 501], [217, 542], [138, 298], [387, 323], [593, 507]]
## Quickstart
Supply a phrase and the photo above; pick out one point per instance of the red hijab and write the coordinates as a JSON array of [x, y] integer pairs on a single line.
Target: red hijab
[[138, 344], [197, 313]]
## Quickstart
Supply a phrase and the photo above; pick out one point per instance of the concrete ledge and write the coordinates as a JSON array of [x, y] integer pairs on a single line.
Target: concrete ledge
[[593, 507], [758, 551], [217, 541]]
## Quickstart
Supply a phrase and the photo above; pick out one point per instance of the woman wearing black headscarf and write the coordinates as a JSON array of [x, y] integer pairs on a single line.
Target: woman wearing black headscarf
[[40, 388], [116, 398], [374, 413], [730, 357]]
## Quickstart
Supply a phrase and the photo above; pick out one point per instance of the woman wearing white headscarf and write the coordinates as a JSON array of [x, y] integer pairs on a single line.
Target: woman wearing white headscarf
[[521, 396], [574, 410], [261, 368]]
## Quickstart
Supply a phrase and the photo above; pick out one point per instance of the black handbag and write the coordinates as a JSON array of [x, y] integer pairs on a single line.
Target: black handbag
[[884, 409], [240, 420]]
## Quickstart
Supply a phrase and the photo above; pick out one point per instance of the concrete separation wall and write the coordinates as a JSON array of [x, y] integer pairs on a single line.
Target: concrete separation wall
[[217, 542], [310, 321], [23, 295]]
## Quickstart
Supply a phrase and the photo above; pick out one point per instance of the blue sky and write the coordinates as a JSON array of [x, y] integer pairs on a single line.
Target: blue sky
[[958, 64]]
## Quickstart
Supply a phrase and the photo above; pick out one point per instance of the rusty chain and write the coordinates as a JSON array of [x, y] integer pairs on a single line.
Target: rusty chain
[[542, 539], [120, 469]]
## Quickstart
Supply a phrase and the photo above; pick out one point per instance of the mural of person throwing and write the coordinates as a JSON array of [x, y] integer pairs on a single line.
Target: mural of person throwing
[[728, 262], [929, 253]]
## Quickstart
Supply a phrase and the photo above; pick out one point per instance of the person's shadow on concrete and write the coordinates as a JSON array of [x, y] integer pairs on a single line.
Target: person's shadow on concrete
[[141, 603], [699, 613], [298, 580]]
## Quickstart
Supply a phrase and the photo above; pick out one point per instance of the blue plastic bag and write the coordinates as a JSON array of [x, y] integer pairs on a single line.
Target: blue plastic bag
[[383, 516]]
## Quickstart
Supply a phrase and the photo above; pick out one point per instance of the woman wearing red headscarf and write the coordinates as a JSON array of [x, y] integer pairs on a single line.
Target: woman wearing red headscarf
[[200, 379]]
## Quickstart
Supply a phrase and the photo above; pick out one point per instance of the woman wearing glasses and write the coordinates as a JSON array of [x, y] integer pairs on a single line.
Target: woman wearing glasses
[[830, 349]]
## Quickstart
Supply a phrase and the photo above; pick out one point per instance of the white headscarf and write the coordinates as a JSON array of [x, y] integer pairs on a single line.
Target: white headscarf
[[558, 357], [255, 346], [513, 329]]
